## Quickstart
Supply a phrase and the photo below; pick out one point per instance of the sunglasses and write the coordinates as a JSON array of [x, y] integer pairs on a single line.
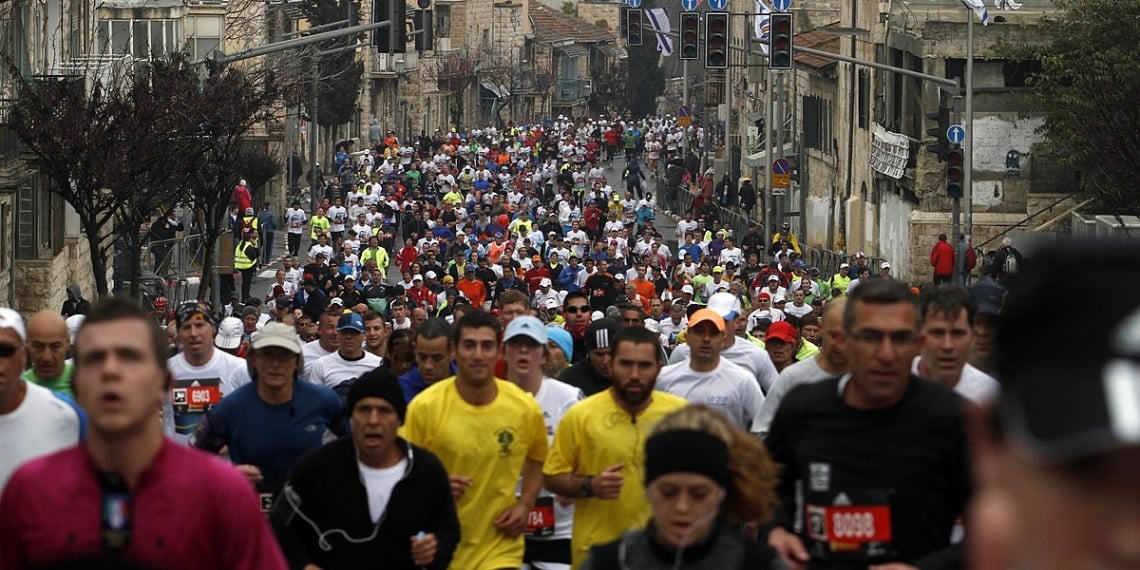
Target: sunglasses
[[7, 350], [578, 309]]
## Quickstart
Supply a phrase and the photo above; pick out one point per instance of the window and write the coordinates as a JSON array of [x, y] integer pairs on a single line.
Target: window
[[39, 222], [140, 39], [486, 38], [204, 35], [817, 123], [864, 102], [5, 223]]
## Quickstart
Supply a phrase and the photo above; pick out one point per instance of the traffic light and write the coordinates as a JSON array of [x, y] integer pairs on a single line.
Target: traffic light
[[716, 40], [690, 32], [424, 39], [780, 41], [955, 173], [633, 27], [623, 22], [394, 38], [940, 146]]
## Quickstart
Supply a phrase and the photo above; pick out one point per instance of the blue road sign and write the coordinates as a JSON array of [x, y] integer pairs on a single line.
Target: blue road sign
[[781, 166], [717, 4], [956, 134], [690, 5], [634, 3], [685, 111], [782, 5]]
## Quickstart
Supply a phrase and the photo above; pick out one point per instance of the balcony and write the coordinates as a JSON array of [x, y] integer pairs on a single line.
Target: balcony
[[569, 90], [392, 65]]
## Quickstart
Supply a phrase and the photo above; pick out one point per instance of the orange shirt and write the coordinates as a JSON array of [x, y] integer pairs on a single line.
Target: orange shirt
[[475, 292], [646, 290]]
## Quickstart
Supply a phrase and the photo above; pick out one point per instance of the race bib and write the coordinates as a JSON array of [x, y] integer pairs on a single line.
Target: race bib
[[294, 224], [849, 525], [191, 399], [540, 521]]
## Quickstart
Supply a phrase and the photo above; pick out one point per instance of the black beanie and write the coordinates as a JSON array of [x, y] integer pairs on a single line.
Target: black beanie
[[377, 383]]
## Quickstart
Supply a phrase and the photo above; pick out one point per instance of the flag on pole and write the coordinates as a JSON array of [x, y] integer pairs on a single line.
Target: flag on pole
[[762, 20], [979, 8], [659, 21]]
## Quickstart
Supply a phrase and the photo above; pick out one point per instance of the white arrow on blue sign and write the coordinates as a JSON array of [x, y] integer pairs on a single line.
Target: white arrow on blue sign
[[717, 4], [782, 5], [634, 3], [690, 5], [956, 134]]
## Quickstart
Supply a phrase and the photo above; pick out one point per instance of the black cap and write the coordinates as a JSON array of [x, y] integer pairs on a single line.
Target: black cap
[[989, 296], [1070, 386], [601, 334], [377, 383]]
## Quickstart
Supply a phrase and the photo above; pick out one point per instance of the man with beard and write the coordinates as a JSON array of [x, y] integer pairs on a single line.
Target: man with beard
[[596, 451]]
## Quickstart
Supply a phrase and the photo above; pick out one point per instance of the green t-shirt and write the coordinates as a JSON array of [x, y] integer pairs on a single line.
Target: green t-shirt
[[61, 385]]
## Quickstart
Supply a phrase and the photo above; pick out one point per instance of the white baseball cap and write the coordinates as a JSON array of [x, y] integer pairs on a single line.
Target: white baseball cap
[[726, 305], [229, 333], [10, 319]]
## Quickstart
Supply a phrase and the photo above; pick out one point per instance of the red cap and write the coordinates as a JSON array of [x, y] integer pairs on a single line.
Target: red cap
[[784, 331]]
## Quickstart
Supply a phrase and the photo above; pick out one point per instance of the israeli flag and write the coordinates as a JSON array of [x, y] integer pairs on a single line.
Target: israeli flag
[[979, 8], [762, 21], [659, 21]]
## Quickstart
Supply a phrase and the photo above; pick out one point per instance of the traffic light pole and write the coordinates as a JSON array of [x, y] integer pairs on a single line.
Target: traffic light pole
[[968, 159], [956, 206]]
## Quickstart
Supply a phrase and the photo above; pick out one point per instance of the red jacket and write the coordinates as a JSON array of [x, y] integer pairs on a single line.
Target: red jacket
[[407, 257], [942, 258]]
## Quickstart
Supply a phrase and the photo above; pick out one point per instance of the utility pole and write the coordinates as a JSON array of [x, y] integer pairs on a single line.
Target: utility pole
[[769, 198], [781, 95], [684, 102], [968, 162], [314, 191], [956, 206]]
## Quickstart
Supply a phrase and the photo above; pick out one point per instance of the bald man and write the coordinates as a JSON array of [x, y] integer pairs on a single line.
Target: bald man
[[48, 345], [829, 362]]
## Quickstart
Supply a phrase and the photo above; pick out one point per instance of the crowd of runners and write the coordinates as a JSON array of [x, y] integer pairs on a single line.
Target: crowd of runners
[[478, 353]]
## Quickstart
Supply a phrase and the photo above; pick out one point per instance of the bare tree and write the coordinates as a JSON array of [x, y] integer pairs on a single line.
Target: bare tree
[[455, 73], [111, 150]]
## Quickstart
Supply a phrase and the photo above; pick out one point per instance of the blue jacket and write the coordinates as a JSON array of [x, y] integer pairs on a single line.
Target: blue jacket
[[568, 279]]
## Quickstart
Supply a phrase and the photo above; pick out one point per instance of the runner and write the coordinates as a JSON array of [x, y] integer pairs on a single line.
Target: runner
[[596, 452], [736, 349], [339, 369], [468, 421], [549, 523], [34, 421], [370, 497], [708, 379], [270, 423], [128, 496], [49, 344], [948, 314], [593, 374], [880, 455], [201, 373]]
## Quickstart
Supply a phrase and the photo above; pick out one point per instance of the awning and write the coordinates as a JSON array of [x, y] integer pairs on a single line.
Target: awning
[[760, 159], [616, 52], [500, 91], [574, 50]]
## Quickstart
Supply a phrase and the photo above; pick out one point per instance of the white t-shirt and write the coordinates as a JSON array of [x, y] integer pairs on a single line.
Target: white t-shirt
[[555, 397], [295, 220], [974, 385], [728, 388], [795, 311], [338, 215], [743, 354], [378, 485], [313, 351], [802, 372], [42, 424], [334, 369], [181, 424]]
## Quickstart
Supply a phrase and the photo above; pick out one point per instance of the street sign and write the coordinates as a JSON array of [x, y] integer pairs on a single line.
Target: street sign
[[956, 134], [781, 166], [684, 122], [690, 5], [782, 5], [717, 4], [781, 176], [685, 111], [634, 3]]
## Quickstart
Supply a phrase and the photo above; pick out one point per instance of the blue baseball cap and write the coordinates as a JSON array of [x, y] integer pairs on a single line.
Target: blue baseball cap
[[527, 326], [563, 339], [350, 321]]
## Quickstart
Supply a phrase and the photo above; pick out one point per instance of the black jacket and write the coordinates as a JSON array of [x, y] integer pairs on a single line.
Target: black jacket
[[327, 487], [582, 375]]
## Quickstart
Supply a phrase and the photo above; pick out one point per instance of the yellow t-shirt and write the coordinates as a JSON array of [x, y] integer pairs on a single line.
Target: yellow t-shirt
[[593, 435], [489, 444], [319, 225]]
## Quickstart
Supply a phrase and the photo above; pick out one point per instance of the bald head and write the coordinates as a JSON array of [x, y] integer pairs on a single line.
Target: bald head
[[48, 344], [831, 353]]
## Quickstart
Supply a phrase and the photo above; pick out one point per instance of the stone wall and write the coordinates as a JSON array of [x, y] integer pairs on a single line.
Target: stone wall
[[6, 254], [42, 285], [593, 12]]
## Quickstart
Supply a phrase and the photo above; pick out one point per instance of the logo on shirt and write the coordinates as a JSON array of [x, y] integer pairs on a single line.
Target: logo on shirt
[[505, 437], [820, 476]]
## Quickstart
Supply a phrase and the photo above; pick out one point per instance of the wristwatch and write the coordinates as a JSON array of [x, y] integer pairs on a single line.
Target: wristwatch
[[586, 487]]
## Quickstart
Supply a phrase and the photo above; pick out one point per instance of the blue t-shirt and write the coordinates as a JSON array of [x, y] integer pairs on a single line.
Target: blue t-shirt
[[272, 436]]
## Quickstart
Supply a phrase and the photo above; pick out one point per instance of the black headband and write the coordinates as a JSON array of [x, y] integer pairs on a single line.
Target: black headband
[[686, 451]]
